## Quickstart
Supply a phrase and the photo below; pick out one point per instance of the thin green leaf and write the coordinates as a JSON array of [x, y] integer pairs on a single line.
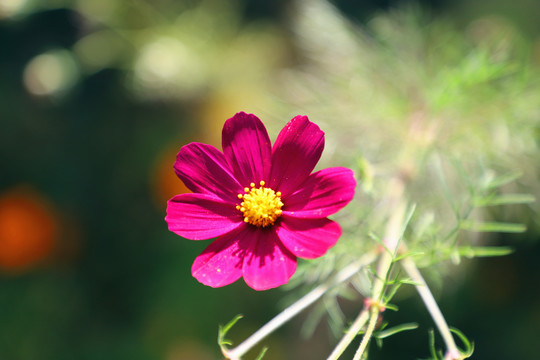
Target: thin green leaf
[[469, 346], [493, 227], [261, 355], [313, 319], [223, 330], [395, 278], [396, 329], [505, 199], [432, 348], [383, 326], [336, 316], [484, 251], [409, 282], [388, 297], [379, 241], [407, 219], [464, 175], [503, 180], [450, 198], [408, 254]]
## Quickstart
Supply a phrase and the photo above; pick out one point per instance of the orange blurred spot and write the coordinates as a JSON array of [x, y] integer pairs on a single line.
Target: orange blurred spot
[[166, 183], [28, 229]]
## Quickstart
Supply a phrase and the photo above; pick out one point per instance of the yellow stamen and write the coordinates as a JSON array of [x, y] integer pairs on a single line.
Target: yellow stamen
[[260, 206]]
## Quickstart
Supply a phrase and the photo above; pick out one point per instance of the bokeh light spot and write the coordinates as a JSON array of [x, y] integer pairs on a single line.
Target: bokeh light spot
[[10, 8], [51, 73], [166, 64]]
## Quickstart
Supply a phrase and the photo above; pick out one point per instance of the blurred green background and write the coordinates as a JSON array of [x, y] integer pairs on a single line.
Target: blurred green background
[[96, 98]]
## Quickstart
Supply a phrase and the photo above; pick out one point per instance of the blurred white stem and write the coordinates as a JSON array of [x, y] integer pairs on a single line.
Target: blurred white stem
[[356, 326], [308, 299], [368, 334], [452, 352], [396, 207], [391, 243]]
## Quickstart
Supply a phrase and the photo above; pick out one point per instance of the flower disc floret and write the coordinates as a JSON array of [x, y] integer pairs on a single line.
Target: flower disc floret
[[260, 206]]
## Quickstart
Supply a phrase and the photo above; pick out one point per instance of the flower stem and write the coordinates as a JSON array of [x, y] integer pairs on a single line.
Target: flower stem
[[392, 237], [369, 332], [452, 352], [305, 301], [355, 327], [393, 233]]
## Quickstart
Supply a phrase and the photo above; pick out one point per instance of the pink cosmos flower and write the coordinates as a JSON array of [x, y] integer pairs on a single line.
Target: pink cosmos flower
[[262, 203]]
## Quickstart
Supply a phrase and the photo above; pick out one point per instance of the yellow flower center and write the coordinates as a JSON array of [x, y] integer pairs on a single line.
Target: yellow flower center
[[261, 206]]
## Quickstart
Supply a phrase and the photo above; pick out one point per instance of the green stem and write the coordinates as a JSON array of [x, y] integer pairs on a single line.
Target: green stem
[[369, 332], [308, 299], [392, 237], [391, 240], [452, 352], [355, 327]]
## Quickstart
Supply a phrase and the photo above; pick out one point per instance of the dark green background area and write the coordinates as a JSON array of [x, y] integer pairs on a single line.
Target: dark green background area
[[128, 292]]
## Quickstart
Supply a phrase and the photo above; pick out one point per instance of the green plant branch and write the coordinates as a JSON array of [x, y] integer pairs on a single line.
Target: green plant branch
[[391, 240], [351, 333], [374, 316], [394, 229], [308, 299], [452, 352]]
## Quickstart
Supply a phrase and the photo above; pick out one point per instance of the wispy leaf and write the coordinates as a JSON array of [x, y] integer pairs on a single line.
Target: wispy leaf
[[469, 346], [262, 353], [484, 251], [503, 180], [493, 227], [396, 329], [223, 330], [504, 199]]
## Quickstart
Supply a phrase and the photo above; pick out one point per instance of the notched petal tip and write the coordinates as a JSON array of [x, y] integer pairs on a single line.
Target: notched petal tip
[[204, 169], [295, 153], [247, 147], [240, 119], [324, 193]]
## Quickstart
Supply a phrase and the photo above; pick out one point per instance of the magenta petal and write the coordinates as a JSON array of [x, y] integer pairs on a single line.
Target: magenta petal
[[296, 151], [204, 169], [308, 238], [324, 193], [221, 262], [268, 264], [246, 146], [201, 216]]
